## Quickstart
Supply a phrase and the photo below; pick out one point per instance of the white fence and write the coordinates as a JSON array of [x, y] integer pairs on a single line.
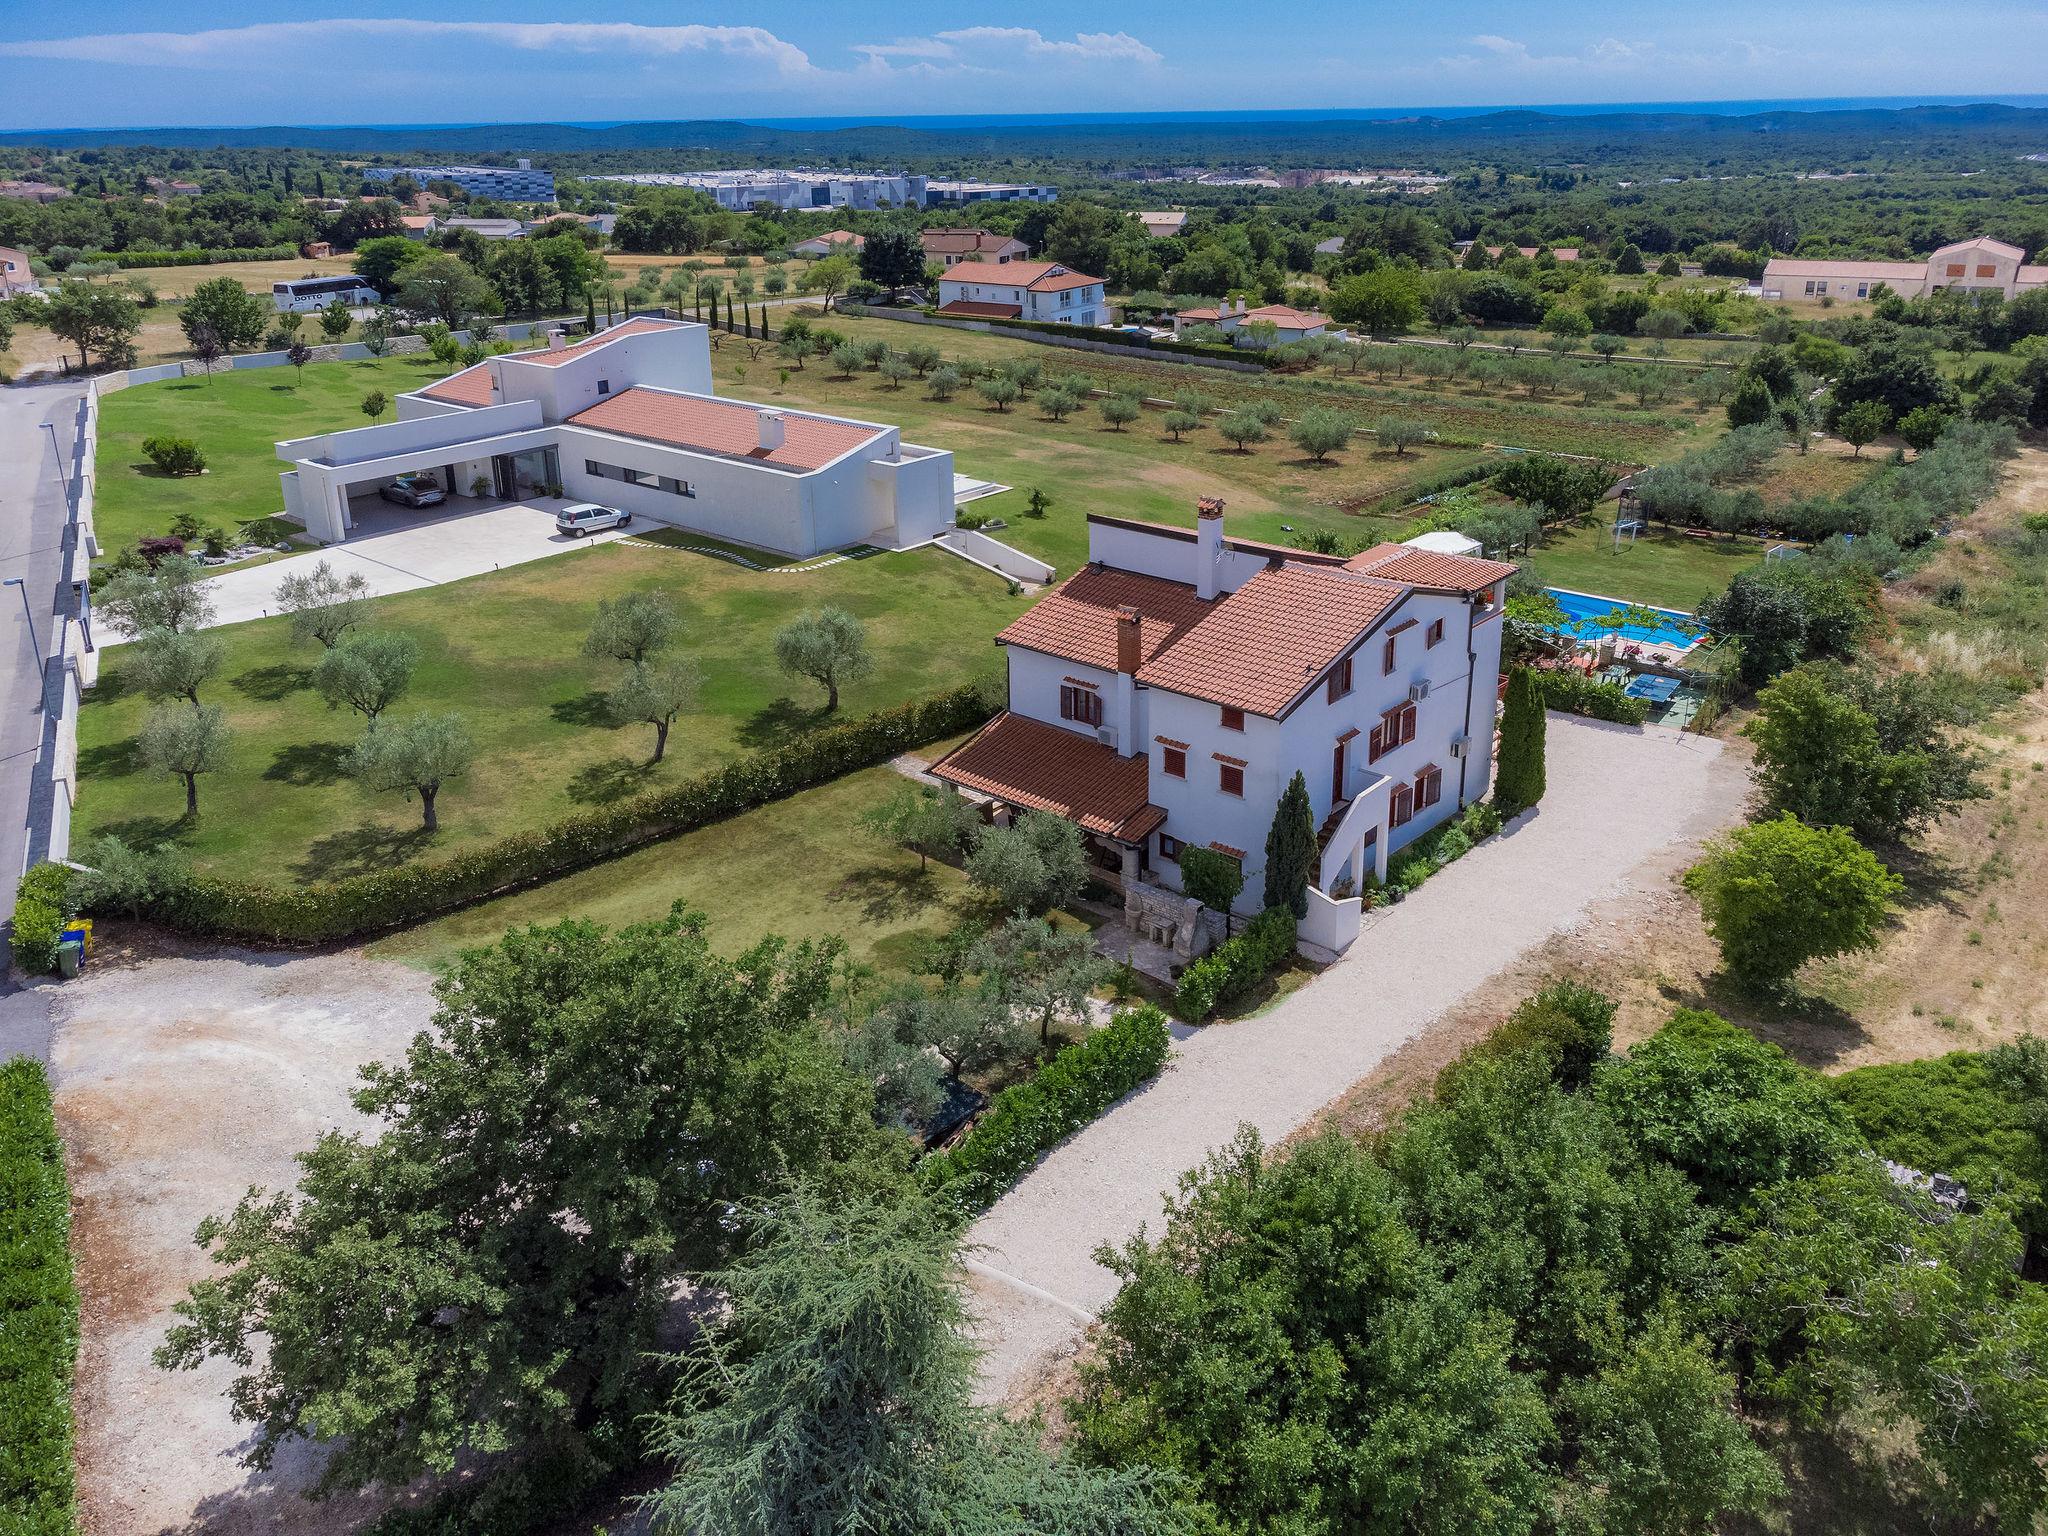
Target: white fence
[[72, 664], [994, 555]]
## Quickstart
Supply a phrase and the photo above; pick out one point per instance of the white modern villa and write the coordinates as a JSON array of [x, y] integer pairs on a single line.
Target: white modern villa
[[628, 418], [1163, 696]]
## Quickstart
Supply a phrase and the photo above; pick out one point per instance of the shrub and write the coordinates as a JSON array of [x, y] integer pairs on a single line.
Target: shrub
[[1033, 1117], [1577, 694], [1212, 878], [222, 907], [38, 1311], [1518, 770], [1572, 1026], [1236, 965], [174, 455], [1780, 893], [1441, 845], [42, 903]]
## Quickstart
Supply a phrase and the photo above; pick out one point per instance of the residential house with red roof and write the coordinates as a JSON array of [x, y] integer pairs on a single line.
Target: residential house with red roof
[[834, 242], [628, 418], [1982, 264], [1163, 696], [1247, 327], [950, 247], [1044, 291]]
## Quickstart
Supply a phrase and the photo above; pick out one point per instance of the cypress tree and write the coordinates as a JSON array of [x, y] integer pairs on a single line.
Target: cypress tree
[[1291, 849], [1518, 772]]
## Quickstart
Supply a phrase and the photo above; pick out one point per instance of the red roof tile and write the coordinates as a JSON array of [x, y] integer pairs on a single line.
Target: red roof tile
[[1427, 568], [1260, 647], [1285, 315], [1042, 767], [1038, 276], [1077, 619], [472, 386], [981, 310], [730, 428]]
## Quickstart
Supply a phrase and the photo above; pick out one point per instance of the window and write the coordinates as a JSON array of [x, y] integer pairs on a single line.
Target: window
[[638, 476], [1809, 286], [1230, 779], [1955, 269], [1429, 786], [1340, 679], [604, 386], [1082, 704], [1170, 847], [1863, 290], [1387, 657], [1987, 270], [1233, 719], [1434, 635], [1396, 729], [593, 469], [676, 487], [1401, 806], [1173, 762]]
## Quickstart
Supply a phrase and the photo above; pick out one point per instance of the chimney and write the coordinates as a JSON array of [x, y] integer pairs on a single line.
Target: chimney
[[556, 340], [1129, 653], [1208, 545], [771, 430]]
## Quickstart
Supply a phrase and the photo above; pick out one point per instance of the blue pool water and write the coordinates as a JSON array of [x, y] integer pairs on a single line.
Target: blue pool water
[[1581, 610]]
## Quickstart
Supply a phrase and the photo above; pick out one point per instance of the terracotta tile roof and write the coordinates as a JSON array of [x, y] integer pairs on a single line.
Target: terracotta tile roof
[[1042, 767], [945, 241], [472, 386], [979, 309], [1260, 647], [549, 359], [730, 428], [1199, 315], [1038, 276], [1077, 619], [1984, 243], [1783, 266], [1286, 315], [837, 237], [1427, 568]]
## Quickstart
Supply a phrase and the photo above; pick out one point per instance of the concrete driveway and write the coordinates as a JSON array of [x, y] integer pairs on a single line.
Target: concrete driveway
[[400, 550], [1618, 800]]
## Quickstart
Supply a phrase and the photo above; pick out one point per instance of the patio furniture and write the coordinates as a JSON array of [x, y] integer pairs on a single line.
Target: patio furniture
[[1647, 685], [1616, 674]]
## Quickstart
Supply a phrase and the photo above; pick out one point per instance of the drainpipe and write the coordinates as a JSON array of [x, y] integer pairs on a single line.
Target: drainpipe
[[1471, 666]]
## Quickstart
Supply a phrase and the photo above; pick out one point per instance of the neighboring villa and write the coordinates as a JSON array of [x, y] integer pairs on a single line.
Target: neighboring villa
[[1022, 290], [16, 276], [831, 243], [1162, 223], [950, 247], [1984, 264], [1163, 696], [1237, 321], [628, 418], [1564, 253]]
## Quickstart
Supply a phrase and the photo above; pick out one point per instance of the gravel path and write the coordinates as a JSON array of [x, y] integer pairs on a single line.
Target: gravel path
[[1617, 799], [181, 1082]]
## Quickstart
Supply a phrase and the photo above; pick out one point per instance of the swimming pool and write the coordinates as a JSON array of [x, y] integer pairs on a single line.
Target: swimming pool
[[1582, 609]]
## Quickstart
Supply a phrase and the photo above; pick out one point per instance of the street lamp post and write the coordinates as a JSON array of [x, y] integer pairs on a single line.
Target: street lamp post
[[27, 613], [57, 448]]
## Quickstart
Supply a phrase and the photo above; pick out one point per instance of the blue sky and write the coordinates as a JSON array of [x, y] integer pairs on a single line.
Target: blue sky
[[126, 63]]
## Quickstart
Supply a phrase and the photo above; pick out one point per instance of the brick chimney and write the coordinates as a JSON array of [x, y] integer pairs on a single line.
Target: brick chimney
[[1128, 651], [771, 426], [1129, 655], [1208, 545]]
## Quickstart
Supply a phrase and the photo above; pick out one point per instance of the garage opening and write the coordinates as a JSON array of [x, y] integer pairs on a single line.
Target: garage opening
[[535, 472]]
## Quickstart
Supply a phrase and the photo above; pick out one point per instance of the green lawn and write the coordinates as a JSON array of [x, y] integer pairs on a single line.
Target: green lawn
[[503, 649], [235, 418], [801, 868], [1662, 569]]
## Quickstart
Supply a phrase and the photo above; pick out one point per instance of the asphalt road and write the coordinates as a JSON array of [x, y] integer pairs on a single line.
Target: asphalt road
[[31, 527]]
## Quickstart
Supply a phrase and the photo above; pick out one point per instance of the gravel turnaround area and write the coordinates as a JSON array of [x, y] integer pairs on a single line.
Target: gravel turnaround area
[[180, 1083], [1619, 799]]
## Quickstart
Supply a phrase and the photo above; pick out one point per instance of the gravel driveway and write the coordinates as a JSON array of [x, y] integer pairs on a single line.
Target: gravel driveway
[[1617, 798], [181, 1082]]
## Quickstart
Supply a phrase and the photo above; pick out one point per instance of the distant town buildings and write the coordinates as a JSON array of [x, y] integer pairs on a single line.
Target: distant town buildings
[[1162, 222], [963, 192], [788, 191], [33, 191], [1982, 264], [519, 184]]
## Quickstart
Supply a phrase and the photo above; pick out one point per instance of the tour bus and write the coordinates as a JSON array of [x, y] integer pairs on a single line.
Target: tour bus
[[308, 293]]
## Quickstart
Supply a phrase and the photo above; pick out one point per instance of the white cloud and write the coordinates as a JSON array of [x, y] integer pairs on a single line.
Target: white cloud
[[233, 47]]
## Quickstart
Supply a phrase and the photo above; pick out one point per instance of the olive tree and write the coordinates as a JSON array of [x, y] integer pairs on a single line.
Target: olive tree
[[367, 672], [416, 757], [654, 695], [171, 597], [169, 664], [632, 628], [827, 645], [183, 744], [323, 605], [1321, 432]]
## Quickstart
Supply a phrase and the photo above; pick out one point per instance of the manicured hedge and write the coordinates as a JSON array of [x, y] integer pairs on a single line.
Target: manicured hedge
[[1236, 965], [1029, 1120], [194, 257], [41, 903], [38, 1311], [1577, 694], [307, 914]]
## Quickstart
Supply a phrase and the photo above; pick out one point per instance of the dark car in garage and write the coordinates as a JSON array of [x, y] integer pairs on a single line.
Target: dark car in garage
[[414, 491]]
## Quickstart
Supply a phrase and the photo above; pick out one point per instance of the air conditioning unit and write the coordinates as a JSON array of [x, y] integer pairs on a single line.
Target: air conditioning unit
[[1460, 745], [1105, 735], [1417, 692]]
